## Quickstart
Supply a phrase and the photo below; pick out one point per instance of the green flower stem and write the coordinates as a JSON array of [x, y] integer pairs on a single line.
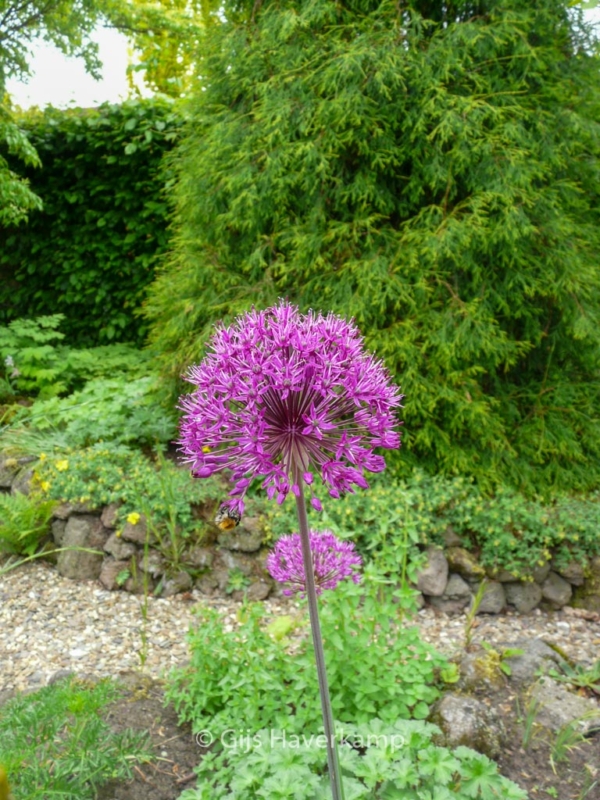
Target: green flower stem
[[335, 775]]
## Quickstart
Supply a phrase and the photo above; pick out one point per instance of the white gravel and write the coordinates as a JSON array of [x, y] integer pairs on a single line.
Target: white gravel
[[49, 623]]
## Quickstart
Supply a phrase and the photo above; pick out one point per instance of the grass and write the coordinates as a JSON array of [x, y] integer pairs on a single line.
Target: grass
[[54, 742]]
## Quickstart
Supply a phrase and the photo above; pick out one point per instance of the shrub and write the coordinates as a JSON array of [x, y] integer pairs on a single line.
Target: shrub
[[92, 249], [432, 172]]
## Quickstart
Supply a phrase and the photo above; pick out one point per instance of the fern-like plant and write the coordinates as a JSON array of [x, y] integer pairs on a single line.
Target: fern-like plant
[[24, 521]]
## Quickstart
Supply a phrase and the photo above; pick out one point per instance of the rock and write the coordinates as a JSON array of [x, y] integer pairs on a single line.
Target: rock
[[259, 590], [451, 538], [540, 573], [109, 515], [110, 571], [456, 597], [221, 576], [82, 532], [587, 596], [153, 563], [501, 575], [9, 468], [466, 721], [241, 539], [480, 671], [493, 600], [461, 561], [244, 563], [432, 579], [22, 482], [118, 548], [523, 596], [556, 591], [60, 675], [200, 557], [140, 583], [207, 584], [64, 510], [181, 582], [58, 531], [573, 572], [537, 657], [137, 532], [559, 707]]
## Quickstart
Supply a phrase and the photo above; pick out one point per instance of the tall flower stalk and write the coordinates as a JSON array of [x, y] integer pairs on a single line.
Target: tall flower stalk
[[291, 399]]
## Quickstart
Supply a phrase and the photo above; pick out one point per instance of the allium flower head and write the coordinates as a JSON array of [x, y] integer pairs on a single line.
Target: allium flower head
[[284, 396], [333, 560]]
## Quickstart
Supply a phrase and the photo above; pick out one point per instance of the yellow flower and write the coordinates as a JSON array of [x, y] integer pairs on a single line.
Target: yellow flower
[[45, 485], [43, 456], [133, 518], [63, 465]]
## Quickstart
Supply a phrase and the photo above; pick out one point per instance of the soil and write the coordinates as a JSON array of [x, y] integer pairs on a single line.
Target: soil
[[538, 767], [575, 777], [142, 708]]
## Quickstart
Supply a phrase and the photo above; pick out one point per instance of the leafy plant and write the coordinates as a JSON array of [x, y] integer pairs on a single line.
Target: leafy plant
[[24, 522], [123, 409], [499, 657], [380, 761], [578, 675], [237, 581], [244, 679], [55, 743]]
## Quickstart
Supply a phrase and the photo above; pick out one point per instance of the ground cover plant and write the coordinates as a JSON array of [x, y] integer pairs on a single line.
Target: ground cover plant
[[392, 522], [54, 743]]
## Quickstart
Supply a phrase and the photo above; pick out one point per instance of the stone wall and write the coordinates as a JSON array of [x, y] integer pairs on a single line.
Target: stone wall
[[452, 576], [233, 562]]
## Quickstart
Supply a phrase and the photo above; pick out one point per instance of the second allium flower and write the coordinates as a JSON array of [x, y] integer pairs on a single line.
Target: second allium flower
[[286, 396], [333, 560]]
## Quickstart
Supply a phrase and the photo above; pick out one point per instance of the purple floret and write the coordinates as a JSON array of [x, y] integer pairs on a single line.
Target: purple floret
[[333, 561], [283, 394]]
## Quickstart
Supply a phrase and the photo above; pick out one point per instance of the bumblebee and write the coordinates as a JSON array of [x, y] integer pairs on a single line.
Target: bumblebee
[[227, 518]]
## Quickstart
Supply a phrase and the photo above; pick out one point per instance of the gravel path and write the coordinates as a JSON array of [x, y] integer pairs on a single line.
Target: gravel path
[[49, 623]]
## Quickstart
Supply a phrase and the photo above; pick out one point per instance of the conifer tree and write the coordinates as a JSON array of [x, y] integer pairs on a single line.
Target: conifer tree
[[431, 169]]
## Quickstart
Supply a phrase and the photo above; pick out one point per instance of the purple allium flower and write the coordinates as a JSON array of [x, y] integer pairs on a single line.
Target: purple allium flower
[[333, 560], [284, 396]]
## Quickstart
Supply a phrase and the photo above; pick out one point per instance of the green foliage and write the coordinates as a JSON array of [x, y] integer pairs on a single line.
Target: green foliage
[[36, 363], [379, 760], [430, 169], [123, 411], [509, 531], [577, 675], [245, 680], [90, 253], [101, 475], [111, 385], [24, 522], [16, 198], [54, 743]]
